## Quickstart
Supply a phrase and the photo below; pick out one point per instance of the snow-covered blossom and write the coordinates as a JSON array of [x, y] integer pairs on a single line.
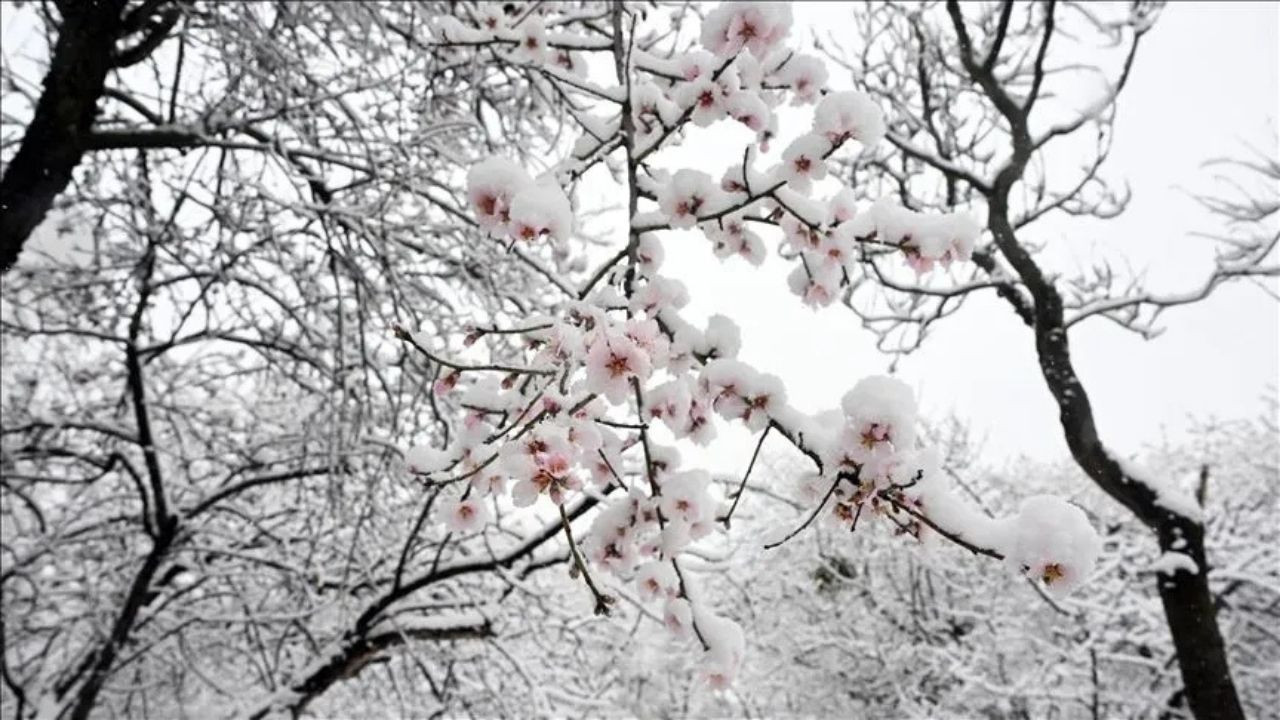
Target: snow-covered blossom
[[849, 115], [723, 338], [572, 61], [927, 238], [677, 616], [424, 459], [696, 64], [687, 194], [725, 647], [748, 109], [542, 463], [757, 26], [652, 109], [803, 161], [649, 254], [657, 579], [612, 362], [806, 75], [706, 97], [492, 184], [817, 283], [881, 409], [684, 497], [532, 40], [465, 515], [491, 17], [842, 207], [730, 237], [658, 294], [741, 393], [1052, 541], [541, 209]]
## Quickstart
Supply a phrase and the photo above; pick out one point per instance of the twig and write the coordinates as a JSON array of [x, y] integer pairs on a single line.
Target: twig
[[742, 488], [603, 601], [813, 516]]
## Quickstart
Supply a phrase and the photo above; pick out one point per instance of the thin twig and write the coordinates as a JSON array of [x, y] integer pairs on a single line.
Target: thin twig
[[813, 516], [603, 601], [742, 488]]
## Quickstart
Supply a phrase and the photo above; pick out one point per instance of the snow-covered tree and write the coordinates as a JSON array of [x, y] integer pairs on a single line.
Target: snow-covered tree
[[988, 113], [360, 321]]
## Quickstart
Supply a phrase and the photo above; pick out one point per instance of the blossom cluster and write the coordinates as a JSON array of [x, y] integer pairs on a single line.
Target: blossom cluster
[[619, 368]]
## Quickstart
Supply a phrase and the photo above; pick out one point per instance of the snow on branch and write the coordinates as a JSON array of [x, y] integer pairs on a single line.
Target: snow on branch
[[619, 367]]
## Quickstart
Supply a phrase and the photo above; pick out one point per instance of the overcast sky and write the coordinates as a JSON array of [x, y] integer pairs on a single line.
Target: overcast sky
[[1206, 84]]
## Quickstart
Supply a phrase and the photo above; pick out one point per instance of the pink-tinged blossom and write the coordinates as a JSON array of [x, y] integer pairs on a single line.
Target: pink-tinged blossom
[[658, 294], [806, 75], [756, 26], [677, 617], [726, 643], [798, 235], [562, 343], [741, 393], [652, 110], [926, 239], [696, 64], [491, 186], [849, 115], [881, 415], [571, 61], [687, 194], [612, 362], [747, 108], [649, 254], [684, 496], [1052, 542], [705, 98], [734, 181], [489, 483], [465, 516], [669, 402], [617, 555], [541, 209], [655, 580], [717, 676], [817, 283], [491, 17], [804, 162], [842, 207], [552, 475], [648, 336], [731, 237], [532, 40]]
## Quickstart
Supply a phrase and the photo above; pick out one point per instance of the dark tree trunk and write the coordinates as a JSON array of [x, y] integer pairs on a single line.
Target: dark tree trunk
[[1192, 618], [56, 138], [1188, 604]]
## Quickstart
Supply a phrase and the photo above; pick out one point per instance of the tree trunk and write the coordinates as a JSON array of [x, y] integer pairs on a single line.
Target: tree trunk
[[1188, 604], [56, 139], [1192, 619]]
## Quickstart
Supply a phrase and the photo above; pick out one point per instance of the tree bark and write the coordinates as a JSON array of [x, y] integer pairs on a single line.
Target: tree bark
[[56, 139], [1188, 604]]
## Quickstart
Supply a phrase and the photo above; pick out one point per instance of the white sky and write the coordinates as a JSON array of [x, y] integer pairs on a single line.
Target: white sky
[[1206, 84]]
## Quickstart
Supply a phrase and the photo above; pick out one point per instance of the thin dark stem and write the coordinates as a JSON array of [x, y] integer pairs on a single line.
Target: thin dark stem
[[812, 516], [603, 601], [742, 487]]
